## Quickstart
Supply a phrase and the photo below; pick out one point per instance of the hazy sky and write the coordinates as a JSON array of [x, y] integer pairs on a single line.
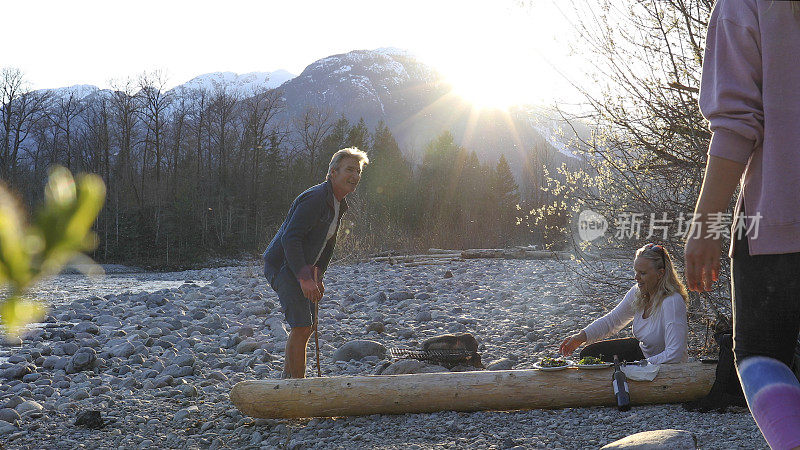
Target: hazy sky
[[517, 43]]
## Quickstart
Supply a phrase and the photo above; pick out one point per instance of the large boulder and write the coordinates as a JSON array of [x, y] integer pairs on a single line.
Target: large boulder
[[656, 440], [109, 321], [10, 341], [423, 316], [377, 327], [359, 349], [7, 428], [501, 364], [89, 419], [177, 371], [9, 415], [86, 327], [378, 297], [28, 407], [400, 295], [17, 371], [276, 327], [248, 346], [185, 413], [123, 350], [84, 359], [184, 359]]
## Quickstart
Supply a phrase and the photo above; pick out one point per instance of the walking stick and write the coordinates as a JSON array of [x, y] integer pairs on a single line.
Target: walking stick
[[316, 335], [316, 323]]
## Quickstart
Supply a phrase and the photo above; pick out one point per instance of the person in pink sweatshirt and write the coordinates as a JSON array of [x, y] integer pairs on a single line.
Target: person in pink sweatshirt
[[750, 94]]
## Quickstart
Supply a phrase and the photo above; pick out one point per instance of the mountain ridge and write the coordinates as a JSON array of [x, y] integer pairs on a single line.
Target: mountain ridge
[[392, 86]]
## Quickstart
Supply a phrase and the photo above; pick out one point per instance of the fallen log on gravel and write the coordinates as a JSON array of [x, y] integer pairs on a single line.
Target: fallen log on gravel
[[420, 260], [463, 391], [514, 253]]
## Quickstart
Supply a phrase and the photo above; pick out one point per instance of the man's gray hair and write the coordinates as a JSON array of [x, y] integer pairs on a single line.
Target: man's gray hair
[[349, 152]]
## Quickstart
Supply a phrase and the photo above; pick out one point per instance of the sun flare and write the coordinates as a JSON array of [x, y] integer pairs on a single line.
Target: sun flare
[[487, 93], [499, 65]]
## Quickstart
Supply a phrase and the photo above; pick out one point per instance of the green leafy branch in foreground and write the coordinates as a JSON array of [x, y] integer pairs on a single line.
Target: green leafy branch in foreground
[[60, 231]]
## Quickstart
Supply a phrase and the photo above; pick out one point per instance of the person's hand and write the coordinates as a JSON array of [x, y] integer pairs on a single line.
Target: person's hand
[[569, 344], [310, 289], [702, 262], [702, 254]]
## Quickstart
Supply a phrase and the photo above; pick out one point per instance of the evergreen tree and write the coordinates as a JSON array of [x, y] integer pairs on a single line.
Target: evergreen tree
[[472, 192], [504, 186], [505, 195], [387, 179], [440, 191], [358, 136], [273, 188], [332, 143]]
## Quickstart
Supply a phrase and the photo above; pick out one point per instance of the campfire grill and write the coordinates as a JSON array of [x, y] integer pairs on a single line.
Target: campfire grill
[[446, 356]]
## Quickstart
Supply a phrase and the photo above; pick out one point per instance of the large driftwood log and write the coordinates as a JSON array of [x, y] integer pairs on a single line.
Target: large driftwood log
[[525, 253], [412, 258], [462, 391], [514, 253]]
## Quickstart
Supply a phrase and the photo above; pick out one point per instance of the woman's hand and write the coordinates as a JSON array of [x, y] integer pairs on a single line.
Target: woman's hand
[[569, 344], [702, 253], [702, 262]]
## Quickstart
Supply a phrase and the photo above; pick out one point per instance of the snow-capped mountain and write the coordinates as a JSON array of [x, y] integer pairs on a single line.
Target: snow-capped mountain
[[373, 84], [393, 86], [245, 84], [417, 104], [79, 91]]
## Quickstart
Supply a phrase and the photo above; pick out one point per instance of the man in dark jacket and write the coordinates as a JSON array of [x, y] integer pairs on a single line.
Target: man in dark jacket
[[298, 255]]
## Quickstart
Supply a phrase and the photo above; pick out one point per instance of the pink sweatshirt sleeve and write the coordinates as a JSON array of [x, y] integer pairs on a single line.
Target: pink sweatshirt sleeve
[[730, 89], [612, 322]]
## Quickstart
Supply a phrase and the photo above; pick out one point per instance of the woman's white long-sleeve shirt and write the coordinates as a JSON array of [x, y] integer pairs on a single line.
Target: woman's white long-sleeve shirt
[[662, 336]]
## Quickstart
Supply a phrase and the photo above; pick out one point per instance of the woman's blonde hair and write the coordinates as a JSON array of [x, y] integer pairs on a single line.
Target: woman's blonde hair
[[669, 284]]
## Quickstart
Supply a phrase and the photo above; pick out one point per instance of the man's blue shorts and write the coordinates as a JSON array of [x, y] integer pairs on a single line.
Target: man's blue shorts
[[297, 309]]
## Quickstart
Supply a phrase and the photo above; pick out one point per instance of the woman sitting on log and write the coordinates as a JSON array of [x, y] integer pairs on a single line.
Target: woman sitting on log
[[657, 307]]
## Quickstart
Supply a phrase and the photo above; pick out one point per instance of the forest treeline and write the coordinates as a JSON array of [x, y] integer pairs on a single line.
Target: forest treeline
[[204, 172]]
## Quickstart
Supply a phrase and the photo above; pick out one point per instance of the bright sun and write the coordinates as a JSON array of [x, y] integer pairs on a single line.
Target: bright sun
[[498, 65], [490, 90]]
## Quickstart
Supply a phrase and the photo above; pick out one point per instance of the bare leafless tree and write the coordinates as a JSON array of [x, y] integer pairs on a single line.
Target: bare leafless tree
[[65, 112], [154, 102], [20, 111], [259, 114], [310, 129], [96, 122], [647, 147], [181, 111], [124, 109], [222, 117]]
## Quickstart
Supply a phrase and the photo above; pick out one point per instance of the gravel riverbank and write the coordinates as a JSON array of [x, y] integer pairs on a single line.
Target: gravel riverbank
[[158, 360]]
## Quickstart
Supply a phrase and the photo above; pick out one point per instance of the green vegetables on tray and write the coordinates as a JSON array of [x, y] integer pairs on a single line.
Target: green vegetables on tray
[[590, 361], [553, 362]]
